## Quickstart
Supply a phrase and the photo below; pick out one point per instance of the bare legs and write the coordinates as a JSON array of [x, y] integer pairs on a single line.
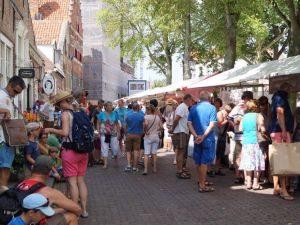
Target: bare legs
[[202, 170], [4, 176], [179, 159], [154, 161], [78, 190]]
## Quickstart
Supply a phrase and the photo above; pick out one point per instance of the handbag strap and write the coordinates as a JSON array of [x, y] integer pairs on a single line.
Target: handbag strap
[[151, 124]]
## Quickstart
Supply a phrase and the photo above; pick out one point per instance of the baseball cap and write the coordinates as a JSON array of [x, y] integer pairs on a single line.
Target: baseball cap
[[43, 164], [33, 126], [38, 201]]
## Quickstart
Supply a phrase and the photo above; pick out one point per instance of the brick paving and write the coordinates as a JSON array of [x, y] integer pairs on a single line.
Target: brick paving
[[119, 198]]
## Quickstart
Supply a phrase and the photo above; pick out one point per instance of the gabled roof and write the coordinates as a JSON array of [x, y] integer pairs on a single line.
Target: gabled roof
[[51, 14]]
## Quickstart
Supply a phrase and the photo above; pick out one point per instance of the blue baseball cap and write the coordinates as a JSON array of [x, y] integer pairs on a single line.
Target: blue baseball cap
[[39, 202]]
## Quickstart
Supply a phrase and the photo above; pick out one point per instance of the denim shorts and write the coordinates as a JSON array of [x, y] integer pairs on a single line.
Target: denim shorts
[[7, 155], [204, 153]]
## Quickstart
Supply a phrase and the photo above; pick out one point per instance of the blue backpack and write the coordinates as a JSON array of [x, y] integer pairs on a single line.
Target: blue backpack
[[82, 133]]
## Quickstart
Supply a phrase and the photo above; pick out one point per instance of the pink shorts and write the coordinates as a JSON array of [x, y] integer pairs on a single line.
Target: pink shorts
[[277, 137], [74, 164]]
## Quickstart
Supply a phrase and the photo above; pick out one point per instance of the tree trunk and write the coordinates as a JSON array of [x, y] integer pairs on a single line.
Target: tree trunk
[[294, 43], [169, 70], [187, 50], [168, 55], [231, 22]]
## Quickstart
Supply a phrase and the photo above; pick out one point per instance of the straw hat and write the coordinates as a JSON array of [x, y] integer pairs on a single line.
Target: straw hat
[[60, 96], [170, 101]]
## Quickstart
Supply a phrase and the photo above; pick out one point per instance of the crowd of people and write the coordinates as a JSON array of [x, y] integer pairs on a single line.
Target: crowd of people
[[137, 131]]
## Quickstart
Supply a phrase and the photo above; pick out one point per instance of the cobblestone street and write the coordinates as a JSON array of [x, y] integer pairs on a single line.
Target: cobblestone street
[[119, 198]]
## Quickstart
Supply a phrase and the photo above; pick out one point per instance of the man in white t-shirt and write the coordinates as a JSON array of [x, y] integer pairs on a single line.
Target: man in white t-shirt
[[7, 111], [180, 132]]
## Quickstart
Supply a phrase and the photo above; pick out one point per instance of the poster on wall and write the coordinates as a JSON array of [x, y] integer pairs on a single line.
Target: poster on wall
[[136, 86]]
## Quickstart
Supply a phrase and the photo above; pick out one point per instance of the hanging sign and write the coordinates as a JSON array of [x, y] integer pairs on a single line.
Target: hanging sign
[[48, 84]]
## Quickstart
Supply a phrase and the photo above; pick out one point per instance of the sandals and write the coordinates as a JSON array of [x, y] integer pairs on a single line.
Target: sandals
[[206, 189], [257, 188], [287, 197], [183, 175]]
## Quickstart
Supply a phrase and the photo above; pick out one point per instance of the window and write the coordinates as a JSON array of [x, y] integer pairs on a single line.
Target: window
[[5, 61], [8, 61], [2, 57]]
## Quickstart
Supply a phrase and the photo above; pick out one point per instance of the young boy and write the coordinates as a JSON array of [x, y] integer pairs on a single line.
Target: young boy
[[31, 151], [35, 207], [56, 163]]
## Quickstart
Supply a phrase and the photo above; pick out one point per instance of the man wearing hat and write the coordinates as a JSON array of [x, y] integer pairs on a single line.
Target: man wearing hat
[[35, 207], [67, 211]]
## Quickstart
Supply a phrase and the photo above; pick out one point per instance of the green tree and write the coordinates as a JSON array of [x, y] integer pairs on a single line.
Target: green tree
[[289, 12], [151, 26], [159, 83]]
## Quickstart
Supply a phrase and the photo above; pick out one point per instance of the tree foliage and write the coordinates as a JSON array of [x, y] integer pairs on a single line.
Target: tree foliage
[[214, 33]]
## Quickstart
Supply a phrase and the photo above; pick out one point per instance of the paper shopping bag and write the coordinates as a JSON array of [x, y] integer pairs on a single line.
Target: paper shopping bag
[[285, 158]]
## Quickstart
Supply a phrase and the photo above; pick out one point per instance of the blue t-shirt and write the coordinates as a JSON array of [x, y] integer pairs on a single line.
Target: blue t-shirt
[[33, 150], [121, 114], [200, 116], [17, 221], [249, 128], [280, 99], [108, 123], [135, 121]]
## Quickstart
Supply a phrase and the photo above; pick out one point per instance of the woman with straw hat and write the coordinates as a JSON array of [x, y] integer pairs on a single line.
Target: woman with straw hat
[[74, 164]]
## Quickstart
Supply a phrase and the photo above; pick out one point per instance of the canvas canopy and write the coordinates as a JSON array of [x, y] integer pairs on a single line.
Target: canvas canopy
[[243, 75]]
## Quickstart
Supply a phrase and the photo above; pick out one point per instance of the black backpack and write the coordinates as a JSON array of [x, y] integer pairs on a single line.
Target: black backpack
[[11, 200], [82, 133]]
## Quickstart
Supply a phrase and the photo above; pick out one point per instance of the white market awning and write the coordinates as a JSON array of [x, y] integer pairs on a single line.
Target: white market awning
[[265, 70], [167, 89]]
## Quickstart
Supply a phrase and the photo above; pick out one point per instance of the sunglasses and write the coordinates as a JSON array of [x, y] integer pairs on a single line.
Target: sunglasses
[[16, 91]]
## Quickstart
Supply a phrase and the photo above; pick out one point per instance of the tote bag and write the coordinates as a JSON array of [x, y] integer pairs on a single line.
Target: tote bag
[[285, 158]]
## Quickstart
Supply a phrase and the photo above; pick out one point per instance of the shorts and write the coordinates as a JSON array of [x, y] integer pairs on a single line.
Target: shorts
[[114, 144], [237, 153], [204, 153], [122, 133], [57, 219], [180, 140], [74, 164], [277, 137], [7, 156], [151, 144], [133, 142]]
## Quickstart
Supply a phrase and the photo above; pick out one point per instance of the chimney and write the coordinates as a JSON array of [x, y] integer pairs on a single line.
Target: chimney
[[34, 8]]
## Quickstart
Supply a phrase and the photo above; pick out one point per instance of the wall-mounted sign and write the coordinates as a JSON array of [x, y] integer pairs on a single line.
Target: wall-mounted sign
[[136, 86], [48, 84], [26, 73]]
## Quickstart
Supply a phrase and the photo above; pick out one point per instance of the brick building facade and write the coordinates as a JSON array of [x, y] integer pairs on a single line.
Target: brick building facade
[[58, 29], [18, 48]]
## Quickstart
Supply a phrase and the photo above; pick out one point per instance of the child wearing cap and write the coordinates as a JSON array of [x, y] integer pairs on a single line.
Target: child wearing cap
[[31, 151], [35, 207]]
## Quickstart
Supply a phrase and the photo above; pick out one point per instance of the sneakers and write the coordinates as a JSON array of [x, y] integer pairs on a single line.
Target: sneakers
[[84, 215], [134, 169], [128, 169]]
